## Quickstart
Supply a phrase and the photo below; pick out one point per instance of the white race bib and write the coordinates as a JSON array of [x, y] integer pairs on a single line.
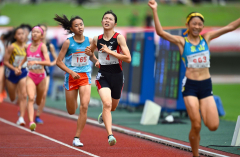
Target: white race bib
[[18, 60], [106, 59], [199, 60], [35, 66], [79, 59]]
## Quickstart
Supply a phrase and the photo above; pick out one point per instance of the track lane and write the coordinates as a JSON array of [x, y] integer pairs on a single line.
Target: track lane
[[93, 137]]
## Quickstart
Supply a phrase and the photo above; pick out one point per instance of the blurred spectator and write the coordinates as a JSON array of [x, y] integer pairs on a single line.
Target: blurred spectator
[[134, 18], [148, 20]]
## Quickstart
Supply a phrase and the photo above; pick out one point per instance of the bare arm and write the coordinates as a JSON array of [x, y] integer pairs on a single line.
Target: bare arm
[[178, 40], [126, 57], [46, 56], [93, 45], [7, 56], [61, 55], [53, 52], [214, 34], [93, 58]]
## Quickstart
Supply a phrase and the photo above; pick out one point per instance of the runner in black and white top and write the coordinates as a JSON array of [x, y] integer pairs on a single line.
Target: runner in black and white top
[[112, 50]]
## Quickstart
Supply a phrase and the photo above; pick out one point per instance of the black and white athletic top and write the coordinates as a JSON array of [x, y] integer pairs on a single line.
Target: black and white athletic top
[[109, 63]]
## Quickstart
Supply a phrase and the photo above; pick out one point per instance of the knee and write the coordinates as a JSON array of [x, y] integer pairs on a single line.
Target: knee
[[113, 109], [213, 128], [83, 108], [107, 105], [196, 126], [31, 99], [71, 111]]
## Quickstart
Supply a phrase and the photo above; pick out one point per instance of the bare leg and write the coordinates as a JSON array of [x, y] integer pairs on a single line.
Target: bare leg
[[11, 89], [31, 91], [84, 92], [40, 107], [209, 113], [71, 101], [40, 91], [192, 105], [22, 96], [105, 94]]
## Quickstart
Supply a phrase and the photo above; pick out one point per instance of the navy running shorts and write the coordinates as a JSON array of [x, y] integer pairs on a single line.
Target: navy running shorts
[[10, 75], [199, 89]]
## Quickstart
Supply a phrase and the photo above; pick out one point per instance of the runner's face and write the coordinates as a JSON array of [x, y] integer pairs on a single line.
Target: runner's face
[[44, 31], [19, 35], [36, 34], [77, 27], [195, 26], [108, 21], [26, 33]]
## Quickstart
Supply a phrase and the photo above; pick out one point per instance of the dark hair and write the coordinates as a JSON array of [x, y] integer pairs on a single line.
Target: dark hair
[[39, 26], [26, 26], [110, 12], [194, 16], [65, 23], [43, 26], [9, 37]]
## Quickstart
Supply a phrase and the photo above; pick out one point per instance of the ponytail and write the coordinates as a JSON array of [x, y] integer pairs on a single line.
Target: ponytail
[[65, 23]]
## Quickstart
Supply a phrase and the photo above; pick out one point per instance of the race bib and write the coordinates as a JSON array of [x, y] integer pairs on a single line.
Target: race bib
[[18, 60], [106, 59], [35, 66], [199, 60], [79, 59]]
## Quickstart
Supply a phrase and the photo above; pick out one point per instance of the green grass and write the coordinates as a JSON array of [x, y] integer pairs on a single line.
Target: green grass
[[230, 96], [170, 15], [94, 92]]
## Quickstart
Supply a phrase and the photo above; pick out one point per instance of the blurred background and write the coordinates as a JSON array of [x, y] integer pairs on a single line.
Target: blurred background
[[135, 22]]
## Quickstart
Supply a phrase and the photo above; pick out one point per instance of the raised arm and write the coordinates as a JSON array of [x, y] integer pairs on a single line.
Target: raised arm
[[165, 35], [214, 34]]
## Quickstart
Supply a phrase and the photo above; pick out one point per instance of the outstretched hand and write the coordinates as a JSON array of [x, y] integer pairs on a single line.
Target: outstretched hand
[[152, 4], [105, 48]]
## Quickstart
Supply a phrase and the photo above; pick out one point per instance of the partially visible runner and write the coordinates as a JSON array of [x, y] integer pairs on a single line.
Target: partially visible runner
[[3, 93], [16, 78], [197, 84], [27, 32], [78, 70], [37, 57], [112, 50], [51, 50]]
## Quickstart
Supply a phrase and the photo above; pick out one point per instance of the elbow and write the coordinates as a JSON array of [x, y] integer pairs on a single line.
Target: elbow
[[129, 60], [57, 62], [159, 33]]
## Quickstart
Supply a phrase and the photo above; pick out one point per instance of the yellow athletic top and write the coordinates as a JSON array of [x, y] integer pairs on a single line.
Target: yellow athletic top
[[17, 55]]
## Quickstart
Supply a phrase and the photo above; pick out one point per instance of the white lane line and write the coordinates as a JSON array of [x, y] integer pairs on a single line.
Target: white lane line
[[46, 137], [133, 133]]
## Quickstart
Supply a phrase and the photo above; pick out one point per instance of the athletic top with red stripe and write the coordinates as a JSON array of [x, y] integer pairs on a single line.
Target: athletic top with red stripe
[[109, 63]]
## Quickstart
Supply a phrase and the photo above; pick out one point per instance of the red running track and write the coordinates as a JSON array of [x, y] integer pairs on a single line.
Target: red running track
[[17, 142]]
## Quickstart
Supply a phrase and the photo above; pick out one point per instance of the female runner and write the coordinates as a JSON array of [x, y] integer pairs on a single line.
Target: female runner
[[78, 70], [16, 77], [37, 57], [51, 49], [112, 50], [197, 85]]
